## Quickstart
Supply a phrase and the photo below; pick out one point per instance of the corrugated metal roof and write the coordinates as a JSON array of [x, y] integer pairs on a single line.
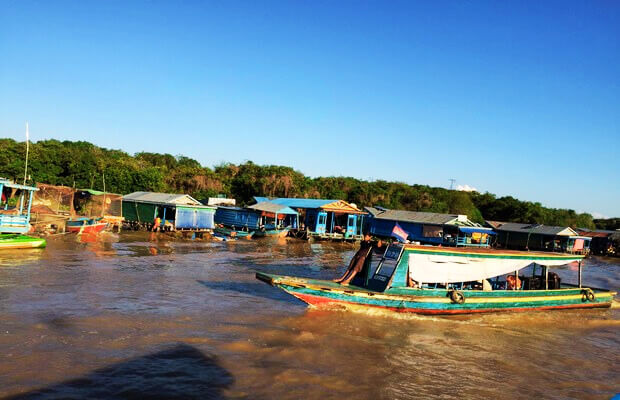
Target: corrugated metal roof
[[534, 228], [162, 198], [413, 216], [297, 203], [268, 206]]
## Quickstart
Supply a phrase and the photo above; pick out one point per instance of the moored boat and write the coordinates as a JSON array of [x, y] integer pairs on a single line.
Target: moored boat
[[15, 206], [266, 232], [233, 233], [439, 280], [86, 225], [17, 241]]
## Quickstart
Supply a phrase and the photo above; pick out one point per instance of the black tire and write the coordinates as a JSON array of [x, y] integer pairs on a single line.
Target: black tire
[[588, 295], [457, 297]]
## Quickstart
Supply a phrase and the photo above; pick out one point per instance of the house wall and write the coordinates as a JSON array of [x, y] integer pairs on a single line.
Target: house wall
[[238, 218], [139, 212], [520, 241], [196, 218], [383, 227]]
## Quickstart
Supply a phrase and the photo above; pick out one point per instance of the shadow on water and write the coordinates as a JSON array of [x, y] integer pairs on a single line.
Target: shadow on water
[[180, 372], [258, 289]]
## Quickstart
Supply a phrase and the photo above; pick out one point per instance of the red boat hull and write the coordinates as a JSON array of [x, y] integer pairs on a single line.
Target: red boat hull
[[94, 228]]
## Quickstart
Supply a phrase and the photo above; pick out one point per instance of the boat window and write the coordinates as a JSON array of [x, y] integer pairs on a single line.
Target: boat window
[[432, 231], [382, 268]]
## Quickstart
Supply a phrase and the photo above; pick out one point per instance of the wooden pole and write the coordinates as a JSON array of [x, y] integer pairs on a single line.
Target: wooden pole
[[579, 274], [546, 277]]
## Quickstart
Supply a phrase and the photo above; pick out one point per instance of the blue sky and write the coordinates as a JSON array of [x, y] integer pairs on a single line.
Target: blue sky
[[514, 98]]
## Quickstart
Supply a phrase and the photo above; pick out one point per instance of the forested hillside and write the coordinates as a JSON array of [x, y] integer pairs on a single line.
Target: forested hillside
[[82, 165]]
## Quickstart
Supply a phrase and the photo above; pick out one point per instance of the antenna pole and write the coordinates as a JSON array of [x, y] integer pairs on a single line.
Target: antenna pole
[[452, 180], [104, 204], [27, 151]]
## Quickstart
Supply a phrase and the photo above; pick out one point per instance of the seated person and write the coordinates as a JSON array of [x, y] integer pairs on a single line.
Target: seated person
[[513, 282], [357, 262]]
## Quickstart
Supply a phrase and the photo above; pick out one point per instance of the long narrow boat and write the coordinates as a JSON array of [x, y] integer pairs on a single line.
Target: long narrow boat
[[86, 225], [229, 232], [272, 232], [439, 280], [16, 241]]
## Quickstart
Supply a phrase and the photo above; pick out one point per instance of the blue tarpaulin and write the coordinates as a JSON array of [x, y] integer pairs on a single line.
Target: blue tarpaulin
[[469, 229]]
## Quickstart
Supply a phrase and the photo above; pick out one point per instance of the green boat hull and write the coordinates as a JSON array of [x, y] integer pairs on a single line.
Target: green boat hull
[[228, 232], [16, 241], [321, 293]]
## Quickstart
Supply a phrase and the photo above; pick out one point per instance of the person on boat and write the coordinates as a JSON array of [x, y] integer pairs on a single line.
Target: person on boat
[[357, 262], [156, 224], [513, 282]]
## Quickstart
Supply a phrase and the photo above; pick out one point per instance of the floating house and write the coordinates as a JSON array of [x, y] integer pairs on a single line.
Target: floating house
[[324, 219], [512, 235], [263, 219], [604, 242], [429, 228], [177, 212]]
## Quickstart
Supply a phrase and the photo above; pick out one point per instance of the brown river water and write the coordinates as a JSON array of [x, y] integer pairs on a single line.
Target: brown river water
[[136, 316]]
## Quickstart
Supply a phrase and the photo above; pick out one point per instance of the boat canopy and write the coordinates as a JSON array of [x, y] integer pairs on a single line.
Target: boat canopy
[[273, 208], [435, 266]]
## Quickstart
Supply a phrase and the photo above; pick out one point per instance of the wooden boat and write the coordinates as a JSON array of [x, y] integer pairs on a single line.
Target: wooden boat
[[445, 281], [15, 216], [17, 241], [267, 232], [86, 225], [229, 232]]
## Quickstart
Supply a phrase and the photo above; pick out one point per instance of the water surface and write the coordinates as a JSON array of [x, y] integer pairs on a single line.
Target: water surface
[[136, 315]]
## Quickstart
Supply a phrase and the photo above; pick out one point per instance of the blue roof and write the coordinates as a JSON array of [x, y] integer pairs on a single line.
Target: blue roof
[[469, 229], [296, 203]]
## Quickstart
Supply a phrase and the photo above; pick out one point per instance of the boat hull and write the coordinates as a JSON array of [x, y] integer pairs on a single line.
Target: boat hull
[[327, 294], [90, 228], [10, 241], [272, 233], [228, 232]]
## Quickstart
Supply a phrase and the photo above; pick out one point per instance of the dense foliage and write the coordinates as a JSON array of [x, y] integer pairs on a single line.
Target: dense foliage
[[83, 165]]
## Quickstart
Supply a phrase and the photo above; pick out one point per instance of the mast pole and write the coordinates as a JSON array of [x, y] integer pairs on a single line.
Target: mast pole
[[27, 151]]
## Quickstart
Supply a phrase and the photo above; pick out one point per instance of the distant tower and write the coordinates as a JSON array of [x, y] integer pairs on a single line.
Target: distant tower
[[452, 180]]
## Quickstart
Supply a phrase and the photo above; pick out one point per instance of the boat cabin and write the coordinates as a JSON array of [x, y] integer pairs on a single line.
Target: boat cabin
[[15, 204], [427, 267]]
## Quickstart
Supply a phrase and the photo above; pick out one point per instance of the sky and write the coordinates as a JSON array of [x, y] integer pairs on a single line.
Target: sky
[[510, 97]]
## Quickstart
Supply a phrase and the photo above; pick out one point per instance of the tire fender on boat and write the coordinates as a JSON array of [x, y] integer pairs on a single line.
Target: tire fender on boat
[[588, 295], [457, 297]]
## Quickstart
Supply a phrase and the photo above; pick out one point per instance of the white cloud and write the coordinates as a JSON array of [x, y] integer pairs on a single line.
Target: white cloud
[[466, 188], [594, 214], [598, 215]]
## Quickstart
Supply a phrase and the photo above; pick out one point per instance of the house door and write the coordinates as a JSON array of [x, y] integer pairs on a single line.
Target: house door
[[321, 222], [351, 225]]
